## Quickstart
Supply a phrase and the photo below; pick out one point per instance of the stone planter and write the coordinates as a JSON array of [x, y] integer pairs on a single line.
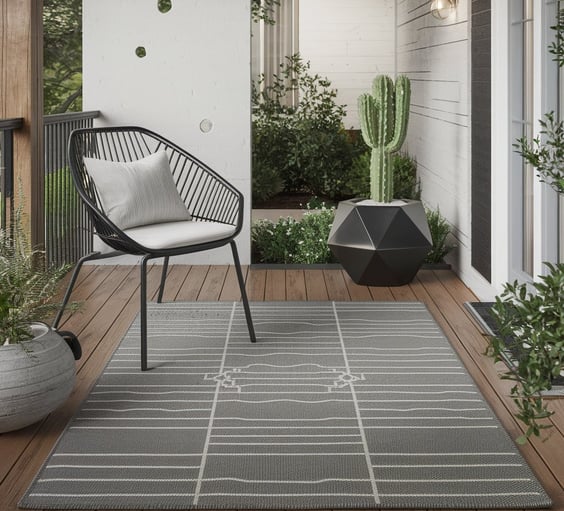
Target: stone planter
[[36, 377], [380, 244]]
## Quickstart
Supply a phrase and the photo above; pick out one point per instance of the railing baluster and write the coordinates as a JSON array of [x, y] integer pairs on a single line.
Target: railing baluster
[[68, 233], [7, 127]]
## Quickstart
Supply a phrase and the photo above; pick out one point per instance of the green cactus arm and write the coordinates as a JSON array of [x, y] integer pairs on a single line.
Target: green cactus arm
[[368, 116], [402, 102], [383, 93]]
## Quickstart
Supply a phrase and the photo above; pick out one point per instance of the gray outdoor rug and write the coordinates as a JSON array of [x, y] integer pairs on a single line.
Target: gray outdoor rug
[[338, 405]]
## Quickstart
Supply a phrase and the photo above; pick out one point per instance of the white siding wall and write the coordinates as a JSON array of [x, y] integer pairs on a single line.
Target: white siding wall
[[434, 54], [348, 42], [197, 67]]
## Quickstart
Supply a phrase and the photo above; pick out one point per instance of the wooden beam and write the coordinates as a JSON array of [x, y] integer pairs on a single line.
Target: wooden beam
[[21, 95]]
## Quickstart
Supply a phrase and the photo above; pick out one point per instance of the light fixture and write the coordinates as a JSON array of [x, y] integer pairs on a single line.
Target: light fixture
[[442, 9]]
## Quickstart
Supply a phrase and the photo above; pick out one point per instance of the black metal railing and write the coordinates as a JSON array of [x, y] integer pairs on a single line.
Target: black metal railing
[[7, 127], [68, 235]]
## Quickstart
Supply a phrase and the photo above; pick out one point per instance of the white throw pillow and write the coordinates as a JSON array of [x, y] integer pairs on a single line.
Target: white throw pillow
[[137, 193]]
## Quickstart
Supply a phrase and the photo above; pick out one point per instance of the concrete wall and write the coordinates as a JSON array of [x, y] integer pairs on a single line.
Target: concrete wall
[[197, 68], [348, 42]]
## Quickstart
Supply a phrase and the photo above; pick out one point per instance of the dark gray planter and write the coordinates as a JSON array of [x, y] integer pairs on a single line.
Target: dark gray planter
[[380, 244]]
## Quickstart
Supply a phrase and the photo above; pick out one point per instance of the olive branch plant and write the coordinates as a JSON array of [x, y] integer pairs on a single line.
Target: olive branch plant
[[531, 319]]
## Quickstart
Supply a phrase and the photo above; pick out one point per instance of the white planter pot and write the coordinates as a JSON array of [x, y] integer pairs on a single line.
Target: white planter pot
[[36, 377]]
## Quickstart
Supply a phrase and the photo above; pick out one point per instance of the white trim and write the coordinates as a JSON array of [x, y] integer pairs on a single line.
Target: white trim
[[501, 143]]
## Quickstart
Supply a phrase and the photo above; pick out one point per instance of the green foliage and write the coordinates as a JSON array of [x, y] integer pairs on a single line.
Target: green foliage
[[535, 322], [306, 142], [406, 183], [62, 56], [266, 181], [291, 241], [61, 201], [440, 230], [546, 152], [557, 46], [26, 286], [383, 120], [262, 10]]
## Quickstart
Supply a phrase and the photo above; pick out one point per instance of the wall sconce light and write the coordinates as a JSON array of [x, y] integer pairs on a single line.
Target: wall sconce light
[[442, 9]]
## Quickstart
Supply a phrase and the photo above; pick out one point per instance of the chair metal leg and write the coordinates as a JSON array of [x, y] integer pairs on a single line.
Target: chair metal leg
[[68, 292], [163, 280], [143, 313], [248, 316]]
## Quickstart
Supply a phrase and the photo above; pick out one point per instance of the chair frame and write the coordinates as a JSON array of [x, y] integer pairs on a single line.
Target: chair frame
[[207, 195]]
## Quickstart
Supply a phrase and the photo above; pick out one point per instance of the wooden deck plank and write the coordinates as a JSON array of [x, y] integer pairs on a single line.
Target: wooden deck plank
[[115, 293], [356, 292], [296, 286], [174, 280], [316, 289], [403, 293], [336, 287], [231, 291], [381, 293], [256, 284], [212, 286], [275, 285], [192, 284]]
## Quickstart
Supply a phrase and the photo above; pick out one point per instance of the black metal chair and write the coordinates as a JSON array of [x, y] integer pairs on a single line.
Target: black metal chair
[[207, 196]]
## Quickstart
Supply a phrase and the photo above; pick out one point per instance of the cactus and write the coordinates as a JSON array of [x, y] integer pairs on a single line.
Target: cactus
[[383, 121]]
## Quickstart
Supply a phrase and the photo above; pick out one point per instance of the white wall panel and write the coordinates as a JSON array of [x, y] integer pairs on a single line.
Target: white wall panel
[[434, 54], [349, 42], [197, 67]]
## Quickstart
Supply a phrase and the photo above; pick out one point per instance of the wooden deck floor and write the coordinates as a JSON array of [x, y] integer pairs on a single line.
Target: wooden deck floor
[[110, 296]]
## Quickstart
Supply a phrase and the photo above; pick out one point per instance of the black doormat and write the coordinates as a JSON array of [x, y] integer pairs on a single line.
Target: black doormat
[[481, 312]]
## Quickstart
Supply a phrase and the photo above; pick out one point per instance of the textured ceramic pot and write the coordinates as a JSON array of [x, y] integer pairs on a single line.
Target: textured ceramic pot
[[36, 377], [380, 244]]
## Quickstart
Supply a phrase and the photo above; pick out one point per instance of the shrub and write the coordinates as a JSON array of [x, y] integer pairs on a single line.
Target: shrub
[[305, 143], [440, 230], [534, 321], [290, 241], [406, 183]]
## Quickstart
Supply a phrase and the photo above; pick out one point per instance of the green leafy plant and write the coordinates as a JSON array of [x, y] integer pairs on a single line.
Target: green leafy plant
[[291, 241], [406, 183], [26, 285], [534, 321], [262, 10], [304, 141], [383, 120], [546, 152], [440, 230], [557, 46]]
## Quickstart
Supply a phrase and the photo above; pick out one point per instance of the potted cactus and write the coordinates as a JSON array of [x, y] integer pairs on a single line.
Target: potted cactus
[[381, 241]]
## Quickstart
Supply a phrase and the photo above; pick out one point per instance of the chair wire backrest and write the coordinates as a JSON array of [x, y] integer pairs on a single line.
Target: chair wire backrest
[[207, 195]]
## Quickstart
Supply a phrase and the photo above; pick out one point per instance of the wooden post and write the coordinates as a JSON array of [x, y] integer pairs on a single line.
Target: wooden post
[[21, 95]]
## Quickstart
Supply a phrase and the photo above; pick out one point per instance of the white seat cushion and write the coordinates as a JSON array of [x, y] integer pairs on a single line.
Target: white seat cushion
[[179, 234]]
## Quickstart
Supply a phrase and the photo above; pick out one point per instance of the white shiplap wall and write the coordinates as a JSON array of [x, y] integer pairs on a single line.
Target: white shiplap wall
[[348, 42], [434, 54]]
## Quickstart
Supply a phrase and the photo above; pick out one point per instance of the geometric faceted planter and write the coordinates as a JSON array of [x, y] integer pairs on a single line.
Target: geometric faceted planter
[[36, 377], [380, 244]]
